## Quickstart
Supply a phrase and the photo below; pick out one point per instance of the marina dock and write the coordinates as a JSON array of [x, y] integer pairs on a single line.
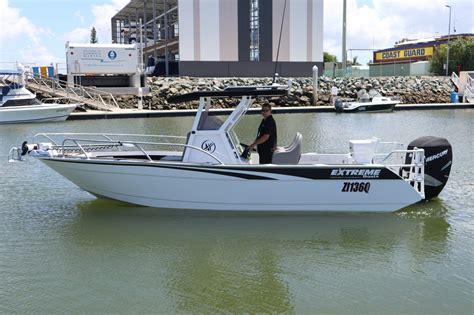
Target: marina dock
[[135, 113]]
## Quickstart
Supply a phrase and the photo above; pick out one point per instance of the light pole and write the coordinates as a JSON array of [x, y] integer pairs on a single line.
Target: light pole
[[449, 35], [344, 52]]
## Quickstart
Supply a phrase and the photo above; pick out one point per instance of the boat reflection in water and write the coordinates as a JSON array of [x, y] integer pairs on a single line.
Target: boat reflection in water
[[208, 262]]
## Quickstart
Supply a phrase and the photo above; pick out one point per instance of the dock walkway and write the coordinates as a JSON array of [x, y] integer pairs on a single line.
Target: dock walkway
[[134, 113]]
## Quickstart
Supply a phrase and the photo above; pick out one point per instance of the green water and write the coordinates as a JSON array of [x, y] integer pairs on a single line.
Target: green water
[[64, 251]]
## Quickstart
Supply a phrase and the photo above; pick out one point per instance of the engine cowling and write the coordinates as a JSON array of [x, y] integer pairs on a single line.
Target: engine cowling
[[438, 161]]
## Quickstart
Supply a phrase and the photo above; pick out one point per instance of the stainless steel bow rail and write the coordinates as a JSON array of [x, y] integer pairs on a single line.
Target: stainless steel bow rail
[[55, 137], [70, 145], [84, 148]]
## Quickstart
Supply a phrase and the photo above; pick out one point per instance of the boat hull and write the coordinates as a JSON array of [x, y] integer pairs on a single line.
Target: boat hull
[[369, 107], [36, 113], [240, 188]]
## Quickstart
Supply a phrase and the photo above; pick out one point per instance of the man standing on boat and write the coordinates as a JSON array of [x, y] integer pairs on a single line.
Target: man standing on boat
[[266, 137], [334, 91]]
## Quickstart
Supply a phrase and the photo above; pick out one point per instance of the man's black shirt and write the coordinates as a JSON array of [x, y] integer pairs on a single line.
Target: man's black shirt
[[267, 126]]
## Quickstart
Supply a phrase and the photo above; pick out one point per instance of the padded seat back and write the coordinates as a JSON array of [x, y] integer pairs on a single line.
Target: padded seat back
[[290, 154]]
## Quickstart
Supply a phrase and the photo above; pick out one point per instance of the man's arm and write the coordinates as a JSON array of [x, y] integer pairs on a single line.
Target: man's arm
[[263, 138]]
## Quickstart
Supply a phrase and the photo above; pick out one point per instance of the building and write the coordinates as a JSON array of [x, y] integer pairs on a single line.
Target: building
[[225, 37], [413, 50], [409, 57]]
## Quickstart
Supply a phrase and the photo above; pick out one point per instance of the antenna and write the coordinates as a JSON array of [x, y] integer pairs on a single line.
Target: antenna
[[279, 42]]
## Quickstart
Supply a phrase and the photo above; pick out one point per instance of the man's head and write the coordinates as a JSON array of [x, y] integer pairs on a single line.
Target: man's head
[[266, 110]]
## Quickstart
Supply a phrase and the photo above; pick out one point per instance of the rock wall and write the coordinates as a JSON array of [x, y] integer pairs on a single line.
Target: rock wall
[[410, 90]]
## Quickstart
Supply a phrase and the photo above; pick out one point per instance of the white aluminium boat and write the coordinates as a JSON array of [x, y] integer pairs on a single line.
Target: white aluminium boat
[[372, 102], [209, 170], [19, 105]]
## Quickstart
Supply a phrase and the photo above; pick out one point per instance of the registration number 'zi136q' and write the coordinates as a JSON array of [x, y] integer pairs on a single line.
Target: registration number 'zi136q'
[[356, 187]]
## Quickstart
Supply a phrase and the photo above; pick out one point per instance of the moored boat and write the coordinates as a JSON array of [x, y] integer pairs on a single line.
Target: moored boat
[[19, 105], [372, 102]]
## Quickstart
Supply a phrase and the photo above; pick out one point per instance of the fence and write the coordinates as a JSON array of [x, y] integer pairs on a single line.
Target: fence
[[383, 70]]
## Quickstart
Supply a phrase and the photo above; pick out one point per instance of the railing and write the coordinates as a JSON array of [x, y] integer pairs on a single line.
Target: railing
[[137, 144], [107, 136], [83, 146], [14, 154], [469, 90], [412, 172], [49, 100], [455, 79], [104, 99]]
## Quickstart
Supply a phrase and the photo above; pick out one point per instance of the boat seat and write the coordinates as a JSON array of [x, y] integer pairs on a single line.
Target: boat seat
[[290, 154], [363, 151]]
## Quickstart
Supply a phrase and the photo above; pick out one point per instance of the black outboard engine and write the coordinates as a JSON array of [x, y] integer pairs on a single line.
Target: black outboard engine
[[338, 105], [438, 161]]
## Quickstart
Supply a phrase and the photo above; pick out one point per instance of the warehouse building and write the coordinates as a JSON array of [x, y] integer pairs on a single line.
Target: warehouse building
[[225, 37], [409, 57]]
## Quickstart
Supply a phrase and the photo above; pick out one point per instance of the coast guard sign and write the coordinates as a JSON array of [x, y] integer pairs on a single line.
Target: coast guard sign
[[401, 54]]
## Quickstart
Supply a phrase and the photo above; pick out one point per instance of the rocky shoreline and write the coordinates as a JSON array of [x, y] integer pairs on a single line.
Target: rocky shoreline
[[410, 90]]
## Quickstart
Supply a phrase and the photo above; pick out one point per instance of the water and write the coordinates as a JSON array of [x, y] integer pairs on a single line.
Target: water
[[64, 251]]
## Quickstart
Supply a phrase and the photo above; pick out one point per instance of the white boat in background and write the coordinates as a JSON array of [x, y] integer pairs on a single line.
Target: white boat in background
[[210, 169], [372, 102], [19, 105]]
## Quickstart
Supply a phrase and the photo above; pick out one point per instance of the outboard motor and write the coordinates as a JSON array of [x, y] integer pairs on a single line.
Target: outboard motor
[[438, 161], [338, 105]]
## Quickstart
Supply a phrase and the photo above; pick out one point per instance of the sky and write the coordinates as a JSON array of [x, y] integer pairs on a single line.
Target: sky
[[36, 31]]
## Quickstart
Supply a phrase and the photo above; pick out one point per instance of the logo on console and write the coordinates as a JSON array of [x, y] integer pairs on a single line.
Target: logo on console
[[112, 54], [209, 146]]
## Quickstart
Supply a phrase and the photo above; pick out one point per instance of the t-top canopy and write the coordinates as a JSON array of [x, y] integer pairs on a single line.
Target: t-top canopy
[[232, 92]]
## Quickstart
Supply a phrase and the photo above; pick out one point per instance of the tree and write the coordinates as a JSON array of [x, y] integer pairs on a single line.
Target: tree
[[329, 58], [94, 39], [461, 52]]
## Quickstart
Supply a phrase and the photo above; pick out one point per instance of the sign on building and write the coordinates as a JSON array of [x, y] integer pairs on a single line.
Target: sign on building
[[102, 59], [418, 53]]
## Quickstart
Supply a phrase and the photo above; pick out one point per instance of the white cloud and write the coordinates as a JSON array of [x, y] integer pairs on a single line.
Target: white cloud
[[102, 16], [16, 30], [384, 22], [12, 20], [79, 16], [78, 35], [31, 43], [377, 25]]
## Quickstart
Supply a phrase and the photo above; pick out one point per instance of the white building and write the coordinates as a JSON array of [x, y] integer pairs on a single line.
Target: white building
[[226, 37]]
